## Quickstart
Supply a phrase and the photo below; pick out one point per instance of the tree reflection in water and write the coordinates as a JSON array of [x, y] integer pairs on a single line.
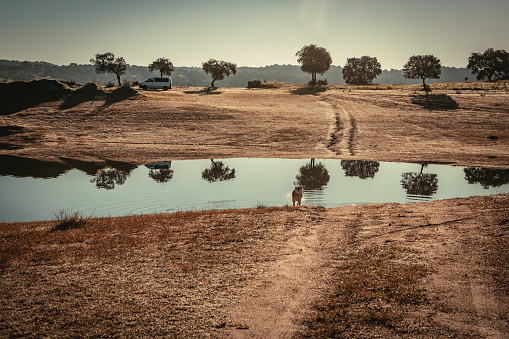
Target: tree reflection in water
[[161, 175], [312, 176], [109, 177], [420, 183], [360, 168], [218, 171], [486, 177]]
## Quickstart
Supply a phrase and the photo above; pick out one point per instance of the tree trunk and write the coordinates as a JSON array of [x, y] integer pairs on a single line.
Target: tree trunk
[[313, 78], [212, 83], [118, 79], [425, 88]]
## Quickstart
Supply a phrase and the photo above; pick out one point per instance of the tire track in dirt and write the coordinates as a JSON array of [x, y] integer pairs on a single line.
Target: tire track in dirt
[[343, 139], [279, 307]]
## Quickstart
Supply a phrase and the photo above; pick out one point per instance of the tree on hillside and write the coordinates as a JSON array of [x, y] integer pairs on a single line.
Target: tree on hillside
[[219, 69], [163, 65], [362, 70], [491, 64], [422, 67], [314, 60], [107, 63]]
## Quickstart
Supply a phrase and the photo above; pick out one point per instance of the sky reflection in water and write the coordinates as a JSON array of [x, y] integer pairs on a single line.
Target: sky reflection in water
[[183, 185]]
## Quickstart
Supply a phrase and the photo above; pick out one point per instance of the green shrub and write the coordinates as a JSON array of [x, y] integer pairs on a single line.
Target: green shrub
[[254, 84], [265, 84]]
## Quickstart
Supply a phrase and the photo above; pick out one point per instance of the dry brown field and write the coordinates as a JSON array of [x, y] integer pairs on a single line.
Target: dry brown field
[[428, 270]]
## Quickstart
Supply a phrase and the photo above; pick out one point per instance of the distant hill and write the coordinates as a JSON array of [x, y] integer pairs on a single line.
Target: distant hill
[[194, 76]]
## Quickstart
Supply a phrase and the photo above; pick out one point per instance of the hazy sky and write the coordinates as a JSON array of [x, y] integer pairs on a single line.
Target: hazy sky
[[251, 33]]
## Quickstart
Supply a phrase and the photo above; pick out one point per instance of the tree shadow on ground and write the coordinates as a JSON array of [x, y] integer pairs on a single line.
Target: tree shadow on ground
[[93, 92], [309, 90], [437, 102], [206, 90]]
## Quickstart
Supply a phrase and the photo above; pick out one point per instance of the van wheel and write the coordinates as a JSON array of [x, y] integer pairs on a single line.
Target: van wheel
[[165, 88], [144, 87]]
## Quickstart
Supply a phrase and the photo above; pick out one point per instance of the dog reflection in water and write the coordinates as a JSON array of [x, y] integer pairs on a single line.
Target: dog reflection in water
[[297, 194]]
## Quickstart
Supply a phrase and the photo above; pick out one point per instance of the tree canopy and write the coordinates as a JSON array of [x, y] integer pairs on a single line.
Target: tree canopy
[[312, 176], [163, 65], [314, 60], [218, 171], [491, 64], [219, 69], [107, 63], [361, 71], [422, 67]]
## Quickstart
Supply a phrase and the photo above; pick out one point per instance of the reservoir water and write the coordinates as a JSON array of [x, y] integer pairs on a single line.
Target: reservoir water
[[30, 192]]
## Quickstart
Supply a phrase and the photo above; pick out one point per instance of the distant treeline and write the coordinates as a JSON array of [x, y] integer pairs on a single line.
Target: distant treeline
[[195, 76]]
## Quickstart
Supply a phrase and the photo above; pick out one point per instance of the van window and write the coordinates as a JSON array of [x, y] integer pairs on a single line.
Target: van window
[[162, 79], [148, 80]]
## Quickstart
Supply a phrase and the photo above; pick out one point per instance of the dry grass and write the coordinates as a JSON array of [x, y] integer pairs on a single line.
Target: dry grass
[[378, 122], [468, 86], [177, 275], [147, 275], [371, 293]]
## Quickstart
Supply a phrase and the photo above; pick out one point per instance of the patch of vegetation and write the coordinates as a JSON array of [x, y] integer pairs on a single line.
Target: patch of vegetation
[[88, 92], [265, 84], [261, 205], [319, 86], [371, 292], [69, 220], [120, 93]]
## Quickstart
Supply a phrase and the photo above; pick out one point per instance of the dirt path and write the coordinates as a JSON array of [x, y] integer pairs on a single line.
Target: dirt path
[[453, 238], [298, 279]]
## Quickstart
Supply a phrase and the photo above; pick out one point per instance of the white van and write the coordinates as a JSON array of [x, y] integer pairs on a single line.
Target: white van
[[156, 83]]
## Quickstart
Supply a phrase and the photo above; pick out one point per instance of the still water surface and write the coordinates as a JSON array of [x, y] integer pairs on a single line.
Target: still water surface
[[236, 183]]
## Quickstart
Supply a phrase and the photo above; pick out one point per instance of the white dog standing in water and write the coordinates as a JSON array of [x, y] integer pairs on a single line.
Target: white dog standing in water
[[297, 194]]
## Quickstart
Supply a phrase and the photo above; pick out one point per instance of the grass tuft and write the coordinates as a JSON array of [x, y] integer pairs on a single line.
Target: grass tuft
[[69, 220]]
